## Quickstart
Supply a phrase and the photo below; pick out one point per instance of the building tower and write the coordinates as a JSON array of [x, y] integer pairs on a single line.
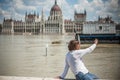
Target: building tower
[[55, 20], [42, 30], [79, 19]]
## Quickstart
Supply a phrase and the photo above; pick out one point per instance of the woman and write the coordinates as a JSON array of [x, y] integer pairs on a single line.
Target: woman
[[74, 61]]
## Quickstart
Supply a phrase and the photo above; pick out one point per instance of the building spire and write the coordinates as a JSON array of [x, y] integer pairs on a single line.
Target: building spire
[[85, 11], [75, 12], [26, 13], [37, 14], [34, 13], [42, 16], [4, 18], [55, 2]]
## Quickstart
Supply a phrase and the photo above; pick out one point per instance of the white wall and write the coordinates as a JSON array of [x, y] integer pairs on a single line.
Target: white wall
[[99, 28]]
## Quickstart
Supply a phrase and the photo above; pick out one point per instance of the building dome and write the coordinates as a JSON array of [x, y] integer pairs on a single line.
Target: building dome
[[55, 7], [55, 13]]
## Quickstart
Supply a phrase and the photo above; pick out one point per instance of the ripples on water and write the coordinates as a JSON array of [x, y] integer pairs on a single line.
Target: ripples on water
[[25, 56]]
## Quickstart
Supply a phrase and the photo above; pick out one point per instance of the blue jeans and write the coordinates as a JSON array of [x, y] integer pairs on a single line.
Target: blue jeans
[[87, 76]]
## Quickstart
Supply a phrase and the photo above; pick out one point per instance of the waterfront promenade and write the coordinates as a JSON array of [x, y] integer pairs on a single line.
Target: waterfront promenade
[[24, 58], [23, 78], [34, 78]]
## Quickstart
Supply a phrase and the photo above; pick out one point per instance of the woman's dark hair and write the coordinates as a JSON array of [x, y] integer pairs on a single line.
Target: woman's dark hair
[[72, 45]]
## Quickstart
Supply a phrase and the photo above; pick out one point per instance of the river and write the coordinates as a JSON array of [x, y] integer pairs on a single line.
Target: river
[[25, 55]]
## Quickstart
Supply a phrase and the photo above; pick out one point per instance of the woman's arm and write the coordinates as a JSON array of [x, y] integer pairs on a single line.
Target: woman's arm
[[65, 70], [89, 49]]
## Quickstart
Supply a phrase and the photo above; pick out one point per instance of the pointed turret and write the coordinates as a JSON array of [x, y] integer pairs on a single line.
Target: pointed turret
[[42, 15], [99, 18], [55, 2], [4, 19], [11, 19], [26, 13], [85, 11], [75, 12], [34, 13], [37, 14]]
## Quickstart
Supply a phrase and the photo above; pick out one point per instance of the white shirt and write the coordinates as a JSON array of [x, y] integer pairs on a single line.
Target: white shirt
[[74, 61]]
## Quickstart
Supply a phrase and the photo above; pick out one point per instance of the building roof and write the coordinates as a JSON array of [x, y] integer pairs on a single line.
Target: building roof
[[31, 16], [68, 21], [8, 20], [80, 15]]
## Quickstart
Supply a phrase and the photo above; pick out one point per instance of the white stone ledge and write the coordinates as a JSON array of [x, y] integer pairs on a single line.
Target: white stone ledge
[[24, 78], [34, 78]]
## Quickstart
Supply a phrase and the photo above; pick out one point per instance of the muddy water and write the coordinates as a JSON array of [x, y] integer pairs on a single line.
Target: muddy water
[[26, 56]]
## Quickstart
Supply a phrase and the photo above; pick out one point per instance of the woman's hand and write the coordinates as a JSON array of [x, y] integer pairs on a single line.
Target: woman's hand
[[58, 78], [96, 41]]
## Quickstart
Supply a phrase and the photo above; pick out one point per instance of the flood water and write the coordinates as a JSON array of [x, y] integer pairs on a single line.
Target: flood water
[[25, 55]]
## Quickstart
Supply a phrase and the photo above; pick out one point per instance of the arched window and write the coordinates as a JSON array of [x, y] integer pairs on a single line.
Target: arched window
[[100, 27]]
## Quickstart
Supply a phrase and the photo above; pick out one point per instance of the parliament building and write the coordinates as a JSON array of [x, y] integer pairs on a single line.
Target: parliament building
[[34, 25], [56, 24]]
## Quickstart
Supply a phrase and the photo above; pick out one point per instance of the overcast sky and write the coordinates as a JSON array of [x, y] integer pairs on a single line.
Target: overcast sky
[[17, 8]]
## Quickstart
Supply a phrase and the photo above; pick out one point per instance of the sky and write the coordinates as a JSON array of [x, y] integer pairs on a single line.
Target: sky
[[16, 9]]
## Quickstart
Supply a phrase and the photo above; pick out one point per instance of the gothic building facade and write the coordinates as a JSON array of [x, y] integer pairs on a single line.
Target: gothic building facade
[[55, 24], [77, 24], [33, 24], [79, 19]]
